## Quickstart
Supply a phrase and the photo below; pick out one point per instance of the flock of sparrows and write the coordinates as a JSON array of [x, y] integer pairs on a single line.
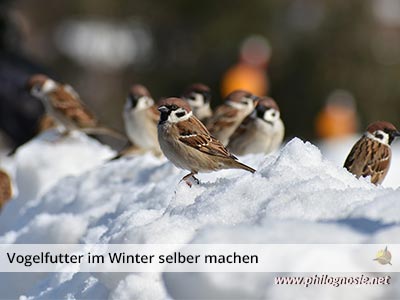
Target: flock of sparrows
[[184, 129], [195, 138]]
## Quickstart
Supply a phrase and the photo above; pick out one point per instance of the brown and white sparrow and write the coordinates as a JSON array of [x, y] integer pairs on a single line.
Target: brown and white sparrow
[[63, 104], [187, 143], [371, 155], [141, 118], [198, 96], [260, 132], [5, 188], [227, 117]]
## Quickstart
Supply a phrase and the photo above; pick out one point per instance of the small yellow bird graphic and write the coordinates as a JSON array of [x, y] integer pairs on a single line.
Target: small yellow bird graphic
[[384, 257]]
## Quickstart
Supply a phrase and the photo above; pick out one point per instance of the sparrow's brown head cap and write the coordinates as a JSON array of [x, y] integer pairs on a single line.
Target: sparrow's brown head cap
[[268, 102], [238, 95], [197, 88], [36, 80], [381, 125], [139, 90], [174, 103]]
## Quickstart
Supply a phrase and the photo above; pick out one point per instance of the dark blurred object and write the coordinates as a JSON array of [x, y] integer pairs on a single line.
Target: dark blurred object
[[19, 112], [338, 119]]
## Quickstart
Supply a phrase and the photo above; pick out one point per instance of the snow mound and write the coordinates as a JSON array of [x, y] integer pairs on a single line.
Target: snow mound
[[69, 195]]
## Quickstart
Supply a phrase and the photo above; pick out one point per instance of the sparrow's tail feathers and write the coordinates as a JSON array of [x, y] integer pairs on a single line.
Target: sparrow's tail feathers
[[130, 150], [104, 131], [239, 165], [118, 156]]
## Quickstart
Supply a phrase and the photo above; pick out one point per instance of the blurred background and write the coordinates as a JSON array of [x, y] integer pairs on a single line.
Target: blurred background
[[316, 55]]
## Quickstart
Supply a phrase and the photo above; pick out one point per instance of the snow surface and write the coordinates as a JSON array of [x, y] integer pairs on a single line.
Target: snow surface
[[69, 193]]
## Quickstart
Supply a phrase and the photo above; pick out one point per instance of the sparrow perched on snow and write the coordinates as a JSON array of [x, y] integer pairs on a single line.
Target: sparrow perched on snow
[[5, 188], [141, 118], [371, 155], [63, 104], [198, 96], [260, 132], [227, 117], [186, 142]]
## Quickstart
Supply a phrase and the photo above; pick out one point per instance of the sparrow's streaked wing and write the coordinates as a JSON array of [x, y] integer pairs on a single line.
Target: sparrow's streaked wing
[[195, 134], [65, 103], [369, 158]]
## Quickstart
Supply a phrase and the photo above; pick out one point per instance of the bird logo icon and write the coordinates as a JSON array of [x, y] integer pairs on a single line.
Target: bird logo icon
[[384, 257]]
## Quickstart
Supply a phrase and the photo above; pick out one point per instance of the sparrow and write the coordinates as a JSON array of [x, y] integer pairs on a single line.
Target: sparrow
[[371, 154], [64, 106], [187, 143], [227, 117], [141, 118], [260, 132], [5, 188], [198, 96]]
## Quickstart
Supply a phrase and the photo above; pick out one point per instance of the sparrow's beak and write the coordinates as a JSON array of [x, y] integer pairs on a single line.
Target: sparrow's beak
[[255, 100], [395, 134], [163, 109]]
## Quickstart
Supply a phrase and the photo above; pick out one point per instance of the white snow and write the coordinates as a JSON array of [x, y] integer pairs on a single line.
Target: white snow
[[68, 193]]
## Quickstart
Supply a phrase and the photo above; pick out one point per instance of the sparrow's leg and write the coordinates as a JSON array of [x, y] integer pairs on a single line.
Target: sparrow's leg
[[187, 179], [195, 179]]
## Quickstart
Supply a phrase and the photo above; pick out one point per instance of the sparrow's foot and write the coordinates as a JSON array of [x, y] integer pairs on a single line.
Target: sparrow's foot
[[196, 179], [187, 180]]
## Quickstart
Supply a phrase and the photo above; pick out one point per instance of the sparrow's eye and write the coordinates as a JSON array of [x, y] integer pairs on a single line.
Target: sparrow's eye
[[174, 107], [36, 89], [191, 97]]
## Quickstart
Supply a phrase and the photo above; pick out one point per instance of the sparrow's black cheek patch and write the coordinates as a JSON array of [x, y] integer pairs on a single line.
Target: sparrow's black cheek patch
[[133, 100], [260, 112], [164, 116], [180, 114], [206, 97]]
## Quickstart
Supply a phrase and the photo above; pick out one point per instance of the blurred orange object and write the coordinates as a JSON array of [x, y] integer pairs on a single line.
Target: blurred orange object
[[246, 77], [338, 118], [250, 72]]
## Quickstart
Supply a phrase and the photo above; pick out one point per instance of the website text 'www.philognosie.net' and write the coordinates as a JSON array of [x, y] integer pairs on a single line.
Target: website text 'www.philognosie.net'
[[335, 281]]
